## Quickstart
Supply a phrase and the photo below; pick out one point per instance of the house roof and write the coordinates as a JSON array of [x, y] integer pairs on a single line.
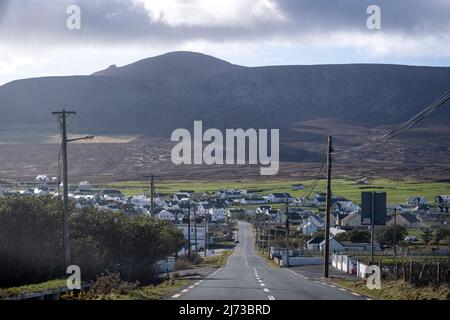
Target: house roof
[[282, 195], [410, 217], [316, 240]]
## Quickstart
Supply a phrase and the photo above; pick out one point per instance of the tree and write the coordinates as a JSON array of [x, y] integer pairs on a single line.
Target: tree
[[31, 241], [427, 236], [385, 236], [354, 236], [439, 235]]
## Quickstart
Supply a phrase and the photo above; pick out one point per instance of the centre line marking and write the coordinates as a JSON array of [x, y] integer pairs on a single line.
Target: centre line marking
[[266, 290]]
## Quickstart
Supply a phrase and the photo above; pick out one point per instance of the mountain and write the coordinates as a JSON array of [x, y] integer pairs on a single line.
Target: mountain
[[154, 96]]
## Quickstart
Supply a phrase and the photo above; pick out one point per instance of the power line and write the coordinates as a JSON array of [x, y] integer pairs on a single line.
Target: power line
[[379, 141]]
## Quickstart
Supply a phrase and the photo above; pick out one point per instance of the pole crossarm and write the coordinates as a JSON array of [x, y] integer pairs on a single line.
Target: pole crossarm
[[81, 138]]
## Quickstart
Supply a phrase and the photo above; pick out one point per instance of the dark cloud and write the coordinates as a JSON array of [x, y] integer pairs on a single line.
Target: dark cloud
[[124, 21]]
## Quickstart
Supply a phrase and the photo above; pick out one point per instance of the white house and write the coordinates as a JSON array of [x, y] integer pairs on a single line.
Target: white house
[[200, 234], [310, 228], [218, 213], [340, 246], [253, 200], [346, 206], [279, 197], [442, 203], [165, 215], [416, 201]]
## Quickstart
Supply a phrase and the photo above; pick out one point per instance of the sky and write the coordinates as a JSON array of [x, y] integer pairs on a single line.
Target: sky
[[35, 39]]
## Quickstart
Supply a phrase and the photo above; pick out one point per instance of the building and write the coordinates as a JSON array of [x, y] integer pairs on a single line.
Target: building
[[352, 220], [406, 220], [200, 234], [417, 201], [314, 243], [165, 215], [279, 197], [443, 203], [342, 246]]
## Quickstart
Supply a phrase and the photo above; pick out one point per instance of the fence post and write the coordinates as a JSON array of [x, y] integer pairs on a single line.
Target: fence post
[[438, 272], [396, 271], [410, 271]]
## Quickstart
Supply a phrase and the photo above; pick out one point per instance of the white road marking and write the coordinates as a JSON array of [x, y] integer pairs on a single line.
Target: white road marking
[[176, 296], [266, 290], [197, 283], [271, 297], [262, 284], [355, 294], [191, 287], [214, 273], [185, 290], [343, 289]]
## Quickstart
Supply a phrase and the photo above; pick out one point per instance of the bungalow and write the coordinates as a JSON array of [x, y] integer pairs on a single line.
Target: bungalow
[[254, 200], [406, 220], [314, 243], [340, 246], [279, 197]]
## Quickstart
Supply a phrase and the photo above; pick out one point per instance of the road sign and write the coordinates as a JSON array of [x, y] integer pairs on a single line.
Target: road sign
[[376, 202]]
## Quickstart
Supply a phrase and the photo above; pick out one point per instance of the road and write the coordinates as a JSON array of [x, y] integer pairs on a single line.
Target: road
[[246, 276]]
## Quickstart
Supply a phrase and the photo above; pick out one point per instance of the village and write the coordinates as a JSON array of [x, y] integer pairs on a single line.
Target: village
[[212, 212]]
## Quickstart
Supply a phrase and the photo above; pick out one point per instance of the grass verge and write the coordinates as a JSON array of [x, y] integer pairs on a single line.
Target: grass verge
[[395, 290], [153, 292], [32, 288], [265, 257]]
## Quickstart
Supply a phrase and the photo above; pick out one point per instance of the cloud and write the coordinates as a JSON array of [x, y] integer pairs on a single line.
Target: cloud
[[212, 13], [107, 22], [30, 30]]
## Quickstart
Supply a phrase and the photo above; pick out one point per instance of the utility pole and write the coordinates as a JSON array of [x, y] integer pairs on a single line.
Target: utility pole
[[189, 230], [328, 210], [270, 235], [152, 194], [287, 231], [372, 228], [395, 232], [195, 230], [206, 233], [62, 117]]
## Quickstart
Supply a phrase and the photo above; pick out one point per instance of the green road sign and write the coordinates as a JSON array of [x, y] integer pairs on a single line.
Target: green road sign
[[373, 204]]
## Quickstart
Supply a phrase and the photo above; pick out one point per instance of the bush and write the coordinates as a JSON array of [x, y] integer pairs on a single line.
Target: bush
[[31, 238]]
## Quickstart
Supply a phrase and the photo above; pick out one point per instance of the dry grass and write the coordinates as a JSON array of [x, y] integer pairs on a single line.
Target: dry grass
[[397, 290]]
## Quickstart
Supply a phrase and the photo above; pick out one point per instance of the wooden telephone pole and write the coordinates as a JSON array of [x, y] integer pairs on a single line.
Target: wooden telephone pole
[[62, 119], [328, 210]]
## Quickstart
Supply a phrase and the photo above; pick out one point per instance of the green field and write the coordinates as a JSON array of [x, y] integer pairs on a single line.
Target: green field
[[397, 191]]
